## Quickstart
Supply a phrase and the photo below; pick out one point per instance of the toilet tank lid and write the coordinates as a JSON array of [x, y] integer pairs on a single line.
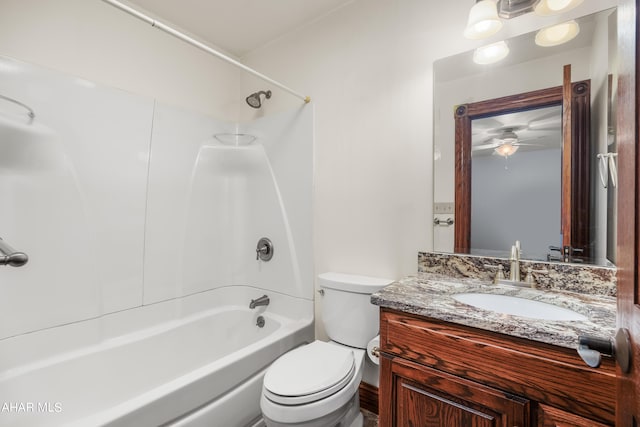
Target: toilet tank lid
[[352, 283]]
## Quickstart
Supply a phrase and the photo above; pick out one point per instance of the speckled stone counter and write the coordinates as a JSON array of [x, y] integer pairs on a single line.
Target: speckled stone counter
[[430, 295], [582, 278]]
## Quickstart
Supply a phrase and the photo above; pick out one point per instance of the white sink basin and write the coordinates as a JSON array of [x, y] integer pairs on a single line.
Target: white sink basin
[[518, 306]]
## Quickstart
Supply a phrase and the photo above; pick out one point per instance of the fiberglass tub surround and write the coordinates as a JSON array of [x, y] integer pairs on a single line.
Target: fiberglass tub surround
[[141, 229]]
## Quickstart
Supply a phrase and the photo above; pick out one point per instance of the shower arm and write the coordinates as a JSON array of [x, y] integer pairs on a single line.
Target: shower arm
[[9, 256], [167, 29]]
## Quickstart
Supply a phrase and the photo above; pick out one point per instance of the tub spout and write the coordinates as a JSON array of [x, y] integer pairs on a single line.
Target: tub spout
[[263, 300]]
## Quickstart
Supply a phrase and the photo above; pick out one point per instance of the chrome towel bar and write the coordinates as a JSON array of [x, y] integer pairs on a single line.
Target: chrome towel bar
[[10, 256]]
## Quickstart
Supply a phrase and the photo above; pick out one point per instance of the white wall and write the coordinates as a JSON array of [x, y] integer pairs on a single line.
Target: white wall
[[517, 198], [368, 69], [90, 39]]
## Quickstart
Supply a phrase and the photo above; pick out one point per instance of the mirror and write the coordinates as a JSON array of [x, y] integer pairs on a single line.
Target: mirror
[[517, 150]]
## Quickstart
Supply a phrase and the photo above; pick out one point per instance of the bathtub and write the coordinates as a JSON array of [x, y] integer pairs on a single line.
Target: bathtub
[[197, 360]]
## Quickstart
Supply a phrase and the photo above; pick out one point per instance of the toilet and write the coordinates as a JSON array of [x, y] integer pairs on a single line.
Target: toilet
[[316, 385]]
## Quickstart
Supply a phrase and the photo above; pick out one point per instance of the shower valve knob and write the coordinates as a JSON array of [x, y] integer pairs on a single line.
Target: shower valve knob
[[264, 249]]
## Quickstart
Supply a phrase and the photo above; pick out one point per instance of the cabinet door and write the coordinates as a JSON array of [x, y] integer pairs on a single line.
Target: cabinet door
[[554, 417], [426, 397]]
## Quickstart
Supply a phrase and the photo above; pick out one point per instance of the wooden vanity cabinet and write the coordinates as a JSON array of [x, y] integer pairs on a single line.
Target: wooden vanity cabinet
[[439, 374]]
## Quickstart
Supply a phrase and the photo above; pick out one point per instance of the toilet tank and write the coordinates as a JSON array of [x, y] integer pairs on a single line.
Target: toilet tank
[[347, 313]]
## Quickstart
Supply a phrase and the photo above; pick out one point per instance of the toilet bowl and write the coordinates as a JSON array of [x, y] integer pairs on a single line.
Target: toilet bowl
[[316, 385], [313, 383]]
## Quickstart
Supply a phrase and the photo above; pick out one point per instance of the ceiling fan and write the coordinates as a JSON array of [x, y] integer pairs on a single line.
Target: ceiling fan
[[505, 134], [506, 143]]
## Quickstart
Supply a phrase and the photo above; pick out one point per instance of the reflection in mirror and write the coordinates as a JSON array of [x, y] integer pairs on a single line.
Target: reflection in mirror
[[457, 80], [574, 192], [517, 159]]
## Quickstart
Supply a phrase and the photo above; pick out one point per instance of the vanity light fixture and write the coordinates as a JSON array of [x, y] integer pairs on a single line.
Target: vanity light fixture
[[553, 7], [485, 15], [505, 150], [491, 53], [557, 34], [483, 20]]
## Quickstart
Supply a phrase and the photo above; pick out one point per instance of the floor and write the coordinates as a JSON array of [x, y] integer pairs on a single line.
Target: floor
[[370, 419]]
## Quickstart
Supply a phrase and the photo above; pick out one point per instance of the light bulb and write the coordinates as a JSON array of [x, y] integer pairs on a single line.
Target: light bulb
[[557, 5], [552, 7], [491, 53], [483, 20], [557, 34], [506, 150]]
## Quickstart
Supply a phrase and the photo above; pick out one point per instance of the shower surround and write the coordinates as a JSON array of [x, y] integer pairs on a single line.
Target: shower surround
[[141, 229]]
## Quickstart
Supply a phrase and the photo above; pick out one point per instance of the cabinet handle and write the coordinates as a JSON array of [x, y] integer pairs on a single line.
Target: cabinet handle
[[592, 348]]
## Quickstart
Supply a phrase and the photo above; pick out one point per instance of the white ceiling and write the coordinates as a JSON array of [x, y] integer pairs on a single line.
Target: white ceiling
[[237, 26]]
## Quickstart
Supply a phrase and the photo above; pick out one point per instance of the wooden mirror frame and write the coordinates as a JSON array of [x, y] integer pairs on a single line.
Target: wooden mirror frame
[[578, 166]]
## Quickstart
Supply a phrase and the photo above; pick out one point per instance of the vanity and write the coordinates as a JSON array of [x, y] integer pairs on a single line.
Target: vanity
[[449, 363]]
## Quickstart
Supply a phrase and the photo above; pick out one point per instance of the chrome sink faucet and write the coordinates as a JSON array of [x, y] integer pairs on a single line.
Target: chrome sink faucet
[[514, 260], [515, 278]]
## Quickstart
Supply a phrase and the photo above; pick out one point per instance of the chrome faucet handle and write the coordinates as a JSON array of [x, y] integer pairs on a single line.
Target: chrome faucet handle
[[529, 277], [261, 250], [499, 272], [264, 249]]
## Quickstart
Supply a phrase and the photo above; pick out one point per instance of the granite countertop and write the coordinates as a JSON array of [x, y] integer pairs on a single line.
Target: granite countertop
[[430, 295]]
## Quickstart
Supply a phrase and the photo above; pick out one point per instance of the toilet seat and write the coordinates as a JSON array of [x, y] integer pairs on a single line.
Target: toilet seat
[[309, 373], [314, 414]]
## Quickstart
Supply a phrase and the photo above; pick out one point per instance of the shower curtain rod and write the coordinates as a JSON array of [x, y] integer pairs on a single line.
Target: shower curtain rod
[[202, 46]]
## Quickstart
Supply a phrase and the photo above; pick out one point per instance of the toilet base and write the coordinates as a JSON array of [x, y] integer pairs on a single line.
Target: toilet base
[[348, 415]]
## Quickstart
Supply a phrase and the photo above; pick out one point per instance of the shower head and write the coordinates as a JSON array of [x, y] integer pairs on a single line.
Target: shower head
[[254, 99]]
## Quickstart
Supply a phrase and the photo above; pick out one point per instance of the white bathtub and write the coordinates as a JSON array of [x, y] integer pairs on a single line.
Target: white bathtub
[[197, 360]]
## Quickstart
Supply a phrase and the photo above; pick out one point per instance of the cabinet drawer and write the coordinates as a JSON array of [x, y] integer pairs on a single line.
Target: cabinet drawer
[[540, 372]]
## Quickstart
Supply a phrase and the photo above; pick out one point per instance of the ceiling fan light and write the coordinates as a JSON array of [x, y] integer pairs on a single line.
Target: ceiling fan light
[[557, 34], [506, 150], [491, 53], [552, 7], [483, 20]]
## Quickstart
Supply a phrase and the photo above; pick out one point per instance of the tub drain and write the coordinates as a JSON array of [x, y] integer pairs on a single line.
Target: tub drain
[[260, 322]]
